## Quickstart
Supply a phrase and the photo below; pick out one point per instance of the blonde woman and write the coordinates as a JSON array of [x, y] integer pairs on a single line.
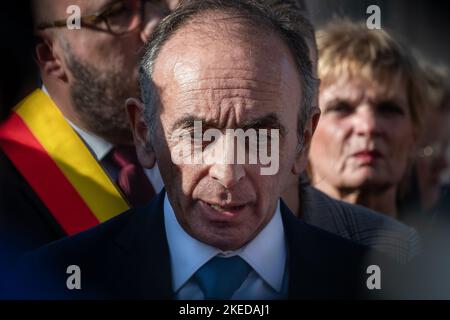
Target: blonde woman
[[370, 100]]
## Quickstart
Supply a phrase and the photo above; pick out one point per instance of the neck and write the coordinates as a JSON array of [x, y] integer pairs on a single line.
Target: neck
[[381, 200]]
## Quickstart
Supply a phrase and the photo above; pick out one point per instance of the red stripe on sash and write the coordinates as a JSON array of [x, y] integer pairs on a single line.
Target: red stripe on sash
[[44, 176]]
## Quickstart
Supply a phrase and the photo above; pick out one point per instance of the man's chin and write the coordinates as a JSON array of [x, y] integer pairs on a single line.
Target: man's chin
[[223, 240]]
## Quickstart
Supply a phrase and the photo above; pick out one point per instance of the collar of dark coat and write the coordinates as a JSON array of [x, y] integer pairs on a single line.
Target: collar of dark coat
[[143, 254]]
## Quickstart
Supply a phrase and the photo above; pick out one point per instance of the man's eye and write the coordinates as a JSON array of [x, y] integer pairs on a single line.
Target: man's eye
[[120, 14], [199, 141], [118, 9], [388, 108]]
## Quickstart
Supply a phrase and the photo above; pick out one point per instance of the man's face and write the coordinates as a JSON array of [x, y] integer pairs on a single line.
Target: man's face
[[365, 135], [103, 67], [228, 77]]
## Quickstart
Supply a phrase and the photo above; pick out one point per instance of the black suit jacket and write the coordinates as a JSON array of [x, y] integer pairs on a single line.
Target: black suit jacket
[[128, 258], [360, 224], [25, 222]]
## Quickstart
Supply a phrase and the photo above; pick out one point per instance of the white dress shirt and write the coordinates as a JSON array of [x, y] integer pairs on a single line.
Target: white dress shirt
[[100, 149], [266, 254]]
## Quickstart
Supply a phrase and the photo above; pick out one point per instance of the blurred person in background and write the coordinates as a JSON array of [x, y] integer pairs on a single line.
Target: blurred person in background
[[426, 204], [433, 146], [314, 206], [66, 152], [426, 186], [371, 102], [352, 52]]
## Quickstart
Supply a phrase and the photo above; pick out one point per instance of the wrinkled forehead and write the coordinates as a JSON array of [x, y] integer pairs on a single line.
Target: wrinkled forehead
[[358, 88], [226, 53]]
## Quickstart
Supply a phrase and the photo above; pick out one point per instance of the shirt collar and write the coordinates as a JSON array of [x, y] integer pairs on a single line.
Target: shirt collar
[[266, 253], [97, 145]]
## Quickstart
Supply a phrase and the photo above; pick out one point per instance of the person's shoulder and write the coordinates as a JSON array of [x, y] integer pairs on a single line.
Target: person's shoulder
[[300, 233], [366, 226], [85, 244], [24, 219], [102, 255], [357, 213], [91, 246], [334, 266], [9, 173], [43, 273]]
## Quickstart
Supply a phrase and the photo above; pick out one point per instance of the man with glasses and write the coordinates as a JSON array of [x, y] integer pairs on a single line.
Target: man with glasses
[[66, 152]]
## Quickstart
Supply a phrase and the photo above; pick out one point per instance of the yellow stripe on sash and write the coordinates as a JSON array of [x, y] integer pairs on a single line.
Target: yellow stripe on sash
[[71, 155]]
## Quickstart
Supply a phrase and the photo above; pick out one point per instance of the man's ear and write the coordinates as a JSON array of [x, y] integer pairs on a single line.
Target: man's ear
[[48, 58], [144, 149], [304, 143]]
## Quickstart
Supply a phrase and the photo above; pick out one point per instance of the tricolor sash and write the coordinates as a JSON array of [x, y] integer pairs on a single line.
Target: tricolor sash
[[58, 166]]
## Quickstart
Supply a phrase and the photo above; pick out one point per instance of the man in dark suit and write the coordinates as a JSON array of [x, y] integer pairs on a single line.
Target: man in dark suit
[[129, 257], [86, 78], [220, 230]]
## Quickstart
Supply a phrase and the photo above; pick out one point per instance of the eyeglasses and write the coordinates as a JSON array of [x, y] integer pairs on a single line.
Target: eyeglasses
[[119, 17]]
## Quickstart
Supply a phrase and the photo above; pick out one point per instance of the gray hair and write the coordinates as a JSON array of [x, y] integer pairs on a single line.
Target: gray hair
[[293, 27]]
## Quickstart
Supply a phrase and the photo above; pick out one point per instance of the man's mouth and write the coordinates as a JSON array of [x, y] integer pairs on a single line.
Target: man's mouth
[[223, 211], [227, 208]]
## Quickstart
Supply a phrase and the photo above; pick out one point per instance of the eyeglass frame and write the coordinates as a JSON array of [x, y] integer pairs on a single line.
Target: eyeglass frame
[[90, 20]]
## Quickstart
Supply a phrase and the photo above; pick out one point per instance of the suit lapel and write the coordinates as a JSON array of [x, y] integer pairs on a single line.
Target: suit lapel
[[144, 254], [312, 260], [301, 257], [319, 210], [141, 268], [322, 265]]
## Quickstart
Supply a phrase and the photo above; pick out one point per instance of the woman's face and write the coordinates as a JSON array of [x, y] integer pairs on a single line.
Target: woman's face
[[365, 135]]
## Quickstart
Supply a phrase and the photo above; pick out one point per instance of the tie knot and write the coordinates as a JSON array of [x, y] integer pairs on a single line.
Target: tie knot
[[131, 177], [220, 277], [125, 156]]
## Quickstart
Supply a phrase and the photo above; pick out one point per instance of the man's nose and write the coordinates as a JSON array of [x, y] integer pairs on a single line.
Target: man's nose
[[228, 175]]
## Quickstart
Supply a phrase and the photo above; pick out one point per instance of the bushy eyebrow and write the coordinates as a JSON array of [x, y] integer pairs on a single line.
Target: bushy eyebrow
[[268, 121]]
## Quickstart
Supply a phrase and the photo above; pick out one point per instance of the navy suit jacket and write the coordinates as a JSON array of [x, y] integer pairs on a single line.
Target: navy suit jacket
[[128, 258]]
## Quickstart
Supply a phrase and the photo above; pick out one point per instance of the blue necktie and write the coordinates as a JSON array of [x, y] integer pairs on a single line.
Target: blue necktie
[[219, 278]]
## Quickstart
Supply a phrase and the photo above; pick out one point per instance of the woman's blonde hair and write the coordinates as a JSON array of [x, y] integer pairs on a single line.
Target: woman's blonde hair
[[351, 49]]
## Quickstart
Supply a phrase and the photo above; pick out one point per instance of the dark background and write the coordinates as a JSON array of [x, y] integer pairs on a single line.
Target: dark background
[[18, 75], [421, 24]]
